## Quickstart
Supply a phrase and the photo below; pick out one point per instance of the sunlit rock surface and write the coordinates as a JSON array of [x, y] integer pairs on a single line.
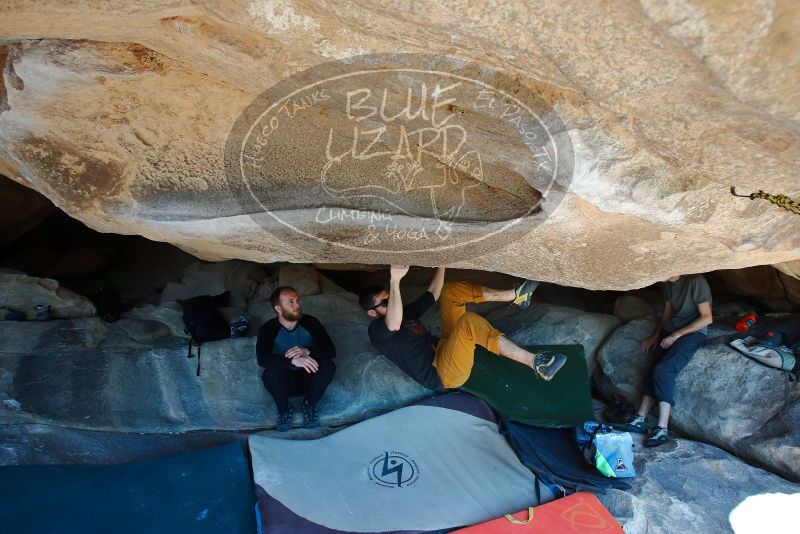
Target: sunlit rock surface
[[119, 113]]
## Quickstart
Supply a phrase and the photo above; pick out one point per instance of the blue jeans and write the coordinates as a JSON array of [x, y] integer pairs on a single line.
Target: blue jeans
[[669, 363]]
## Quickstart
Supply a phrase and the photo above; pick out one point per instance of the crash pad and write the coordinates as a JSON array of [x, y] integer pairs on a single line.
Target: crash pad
[[437, 465], [551, 454], [579, 513], [517, 392], [201, 491]]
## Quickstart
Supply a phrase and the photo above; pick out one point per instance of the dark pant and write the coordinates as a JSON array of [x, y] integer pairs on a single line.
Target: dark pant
[[669, 363], [284, 383]]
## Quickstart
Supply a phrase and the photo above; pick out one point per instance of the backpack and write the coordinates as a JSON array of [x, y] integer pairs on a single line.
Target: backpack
[[605, 449], [108, 304], [203, 321], [769, 351], [619, 411]]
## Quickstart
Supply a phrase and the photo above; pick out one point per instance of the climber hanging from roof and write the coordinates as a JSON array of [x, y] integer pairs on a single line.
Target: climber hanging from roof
[[447, 362]]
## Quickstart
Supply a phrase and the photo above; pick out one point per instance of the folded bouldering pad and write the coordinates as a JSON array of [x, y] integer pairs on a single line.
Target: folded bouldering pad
[[580, 513], [424, 468], [518, 394], [553, 455], [201, 491]]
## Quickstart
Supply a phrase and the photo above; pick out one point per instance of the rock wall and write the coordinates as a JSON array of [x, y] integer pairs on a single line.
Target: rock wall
[[773, 287], [546, 324], [119, 113], [134, 375], [23, 293]]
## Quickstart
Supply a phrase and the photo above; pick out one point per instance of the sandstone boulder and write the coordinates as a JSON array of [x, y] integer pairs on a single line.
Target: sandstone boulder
[[664, 106], [240, 278], [752, 65], [687, 486], [22, 292], [767, 285], [548, 324], [776, 443], [169, 314], [304, 278], [628, 307]]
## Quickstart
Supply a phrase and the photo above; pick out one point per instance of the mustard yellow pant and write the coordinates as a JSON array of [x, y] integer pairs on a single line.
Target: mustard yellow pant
[[461, 331]]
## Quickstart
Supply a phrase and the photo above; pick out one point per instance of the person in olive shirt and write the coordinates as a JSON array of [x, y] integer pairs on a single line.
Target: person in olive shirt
[[297, 356], [682, 330], [447, 362]]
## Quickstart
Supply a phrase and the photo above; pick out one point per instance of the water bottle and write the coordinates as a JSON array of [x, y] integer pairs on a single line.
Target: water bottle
[[745, 323]]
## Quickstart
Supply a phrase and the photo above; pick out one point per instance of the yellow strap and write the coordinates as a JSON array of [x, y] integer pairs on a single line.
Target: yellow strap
[[782, 201], [517, 521]]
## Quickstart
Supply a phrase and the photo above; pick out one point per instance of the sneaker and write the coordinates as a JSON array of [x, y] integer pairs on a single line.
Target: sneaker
[[658, 436], [635, 424], [523, 292], [310, 416], [285, 420], [547, 365]]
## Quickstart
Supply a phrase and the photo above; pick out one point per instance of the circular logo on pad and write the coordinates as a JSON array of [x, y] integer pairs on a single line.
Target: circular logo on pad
[[393, 469]]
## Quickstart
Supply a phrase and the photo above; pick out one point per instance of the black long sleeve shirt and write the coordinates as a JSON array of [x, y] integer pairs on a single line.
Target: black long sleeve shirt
[[323, 346]]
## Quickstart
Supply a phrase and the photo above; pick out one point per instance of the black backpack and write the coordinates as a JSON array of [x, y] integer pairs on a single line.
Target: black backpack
[[108, 304], [203, 321]]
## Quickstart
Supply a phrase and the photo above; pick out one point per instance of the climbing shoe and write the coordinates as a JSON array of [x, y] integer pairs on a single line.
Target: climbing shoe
[[547, 365], [635, 424], [285, 420], [310, 416], [657, 436], [523, 292]]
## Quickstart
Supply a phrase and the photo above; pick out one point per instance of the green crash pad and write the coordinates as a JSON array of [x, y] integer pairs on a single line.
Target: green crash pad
[[201, 491], [515, 390]]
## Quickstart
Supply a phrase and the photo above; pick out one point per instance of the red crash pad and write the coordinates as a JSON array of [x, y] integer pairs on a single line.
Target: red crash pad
[[580, 513]]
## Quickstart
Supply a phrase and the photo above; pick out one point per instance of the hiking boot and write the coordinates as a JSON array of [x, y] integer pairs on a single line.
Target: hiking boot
[[547, 365], [285, 420], [635, 424], [658, 436], [310, 416], [523, 293]]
